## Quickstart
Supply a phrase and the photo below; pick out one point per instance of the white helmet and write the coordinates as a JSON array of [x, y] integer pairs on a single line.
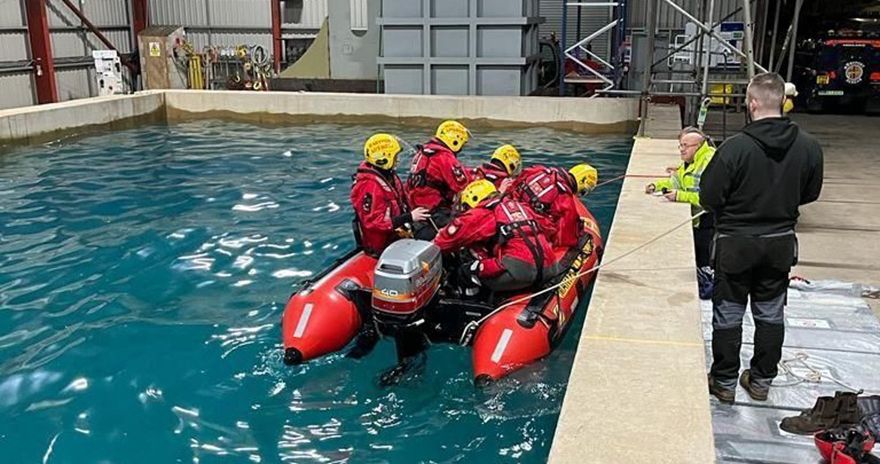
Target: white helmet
[[790, 90]]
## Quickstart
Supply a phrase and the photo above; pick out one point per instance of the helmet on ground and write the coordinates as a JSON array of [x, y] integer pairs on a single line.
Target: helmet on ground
[[476, 192], [510, 158], [453, 134], [381, 150], [585, 177]]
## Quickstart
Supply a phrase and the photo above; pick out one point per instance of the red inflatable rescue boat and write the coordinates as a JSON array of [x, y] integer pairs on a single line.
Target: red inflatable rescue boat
[[402, 292]]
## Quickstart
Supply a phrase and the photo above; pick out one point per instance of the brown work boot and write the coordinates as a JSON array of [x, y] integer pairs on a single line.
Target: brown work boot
[[757, 392], [827, 413], [724, 395]]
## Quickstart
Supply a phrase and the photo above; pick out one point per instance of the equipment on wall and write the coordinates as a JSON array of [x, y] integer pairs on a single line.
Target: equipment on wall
[[108, 72], [170, 61], [241, 67]]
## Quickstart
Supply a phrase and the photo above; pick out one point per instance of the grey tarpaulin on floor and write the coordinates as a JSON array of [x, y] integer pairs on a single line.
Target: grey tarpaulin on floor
[[832, 342]]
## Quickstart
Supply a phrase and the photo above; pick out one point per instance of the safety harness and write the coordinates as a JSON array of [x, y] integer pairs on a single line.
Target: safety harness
[[539, 188], [515, 222], [418, 176]]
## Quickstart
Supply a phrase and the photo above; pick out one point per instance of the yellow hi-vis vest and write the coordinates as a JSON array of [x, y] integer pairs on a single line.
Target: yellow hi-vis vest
[[686, 180]]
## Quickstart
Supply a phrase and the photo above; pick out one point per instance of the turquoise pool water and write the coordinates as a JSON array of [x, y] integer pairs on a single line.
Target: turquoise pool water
[[143, 274]]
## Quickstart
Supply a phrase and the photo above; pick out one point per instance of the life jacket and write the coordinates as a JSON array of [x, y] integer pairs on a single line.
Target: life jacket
[[418, 171], [393, 186], [542, 189], [513, 222]]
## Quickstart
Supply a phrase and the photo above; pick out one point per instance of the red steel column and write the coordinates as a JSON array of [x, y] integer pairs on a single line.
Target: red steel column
[[276, 34], [41, 51], [139, 16]]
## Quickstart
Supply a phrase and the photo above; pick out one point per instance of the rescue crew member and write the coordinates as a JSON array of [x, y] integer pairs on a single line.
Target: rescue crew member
[[684, 186], [436, 176], [552, 195], [514, 254], [502, 168], [382, 214], [754, 186]]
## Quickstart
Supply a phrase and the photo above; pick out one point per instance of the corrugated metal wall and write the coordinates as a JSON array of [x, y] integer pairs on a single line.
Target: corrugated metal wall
[[592, 19], [233, 22], [208, 22], [16, 87], [71, 46], [305, 15], [17, 90], [226, 23]]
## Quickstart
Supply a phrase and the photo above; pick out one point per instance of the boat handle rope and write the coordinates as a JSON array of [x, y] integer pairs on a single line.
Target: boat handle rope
[[471, 328]]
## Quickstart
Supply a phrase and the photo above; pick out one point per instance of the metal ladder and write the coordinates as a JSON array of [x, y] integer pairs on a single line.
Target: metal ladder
[[595, 76]]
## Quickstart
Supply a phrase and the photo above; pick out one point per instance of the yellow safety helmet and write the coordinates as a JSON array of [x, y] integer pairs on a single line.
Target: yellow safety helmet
[[476, 192], [508, 156], [790, 94], [453, 134], [585, 176], [381, 150]]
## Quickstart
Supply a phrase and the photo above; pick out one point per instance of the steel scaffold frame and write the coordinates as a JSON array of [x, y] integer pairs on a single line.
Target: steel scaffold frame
[[618, 28], [754, 32]]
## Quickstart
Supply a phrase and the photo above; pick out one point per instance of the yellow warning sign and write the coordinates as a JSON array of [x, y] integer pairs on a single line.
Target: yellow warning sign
[[154, 49]]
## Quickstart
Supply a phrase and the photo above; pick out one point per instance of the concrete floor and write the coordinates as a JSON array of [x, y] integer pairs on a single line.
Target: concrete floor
[[639, 315], [840, 233]]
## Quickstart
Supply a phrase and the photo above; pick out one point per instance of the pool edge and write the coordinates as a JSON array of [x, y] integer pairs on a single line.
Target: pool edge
[[637, 389]]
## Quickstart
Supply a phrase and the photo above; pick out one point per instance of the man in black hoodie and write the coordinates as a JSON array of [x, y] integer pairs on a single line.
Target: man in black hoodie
[[754, 186]]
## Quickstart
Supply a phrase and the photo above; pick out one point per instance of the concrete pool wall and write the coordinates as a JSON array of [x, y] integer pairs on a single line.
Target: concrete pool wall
[[637, 391], [43, 122]]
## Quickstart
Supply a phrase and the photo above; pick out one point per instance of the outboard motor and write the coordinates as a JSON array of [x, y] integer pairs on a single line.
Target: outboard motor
[[407, 278]]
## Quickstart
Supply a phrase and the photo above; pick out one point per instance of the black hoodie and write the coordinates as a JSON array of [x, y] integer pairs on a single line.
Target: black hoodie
[[758, 178]]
